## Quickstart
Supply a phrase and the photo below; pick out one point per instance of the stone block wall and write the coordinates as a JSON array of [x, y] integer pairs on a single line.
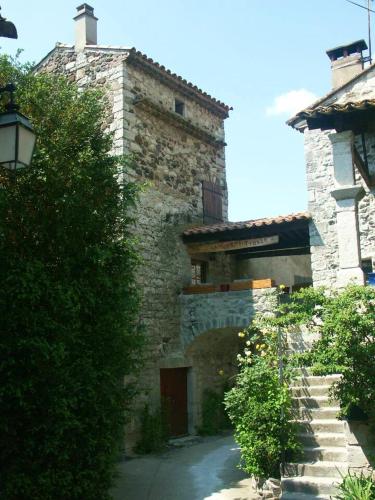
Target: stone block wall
[[205, 312]]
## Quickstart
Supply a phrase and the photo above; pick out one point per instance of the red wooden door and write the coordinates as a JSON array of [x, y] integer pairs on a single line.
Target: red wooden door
[[173, 390]]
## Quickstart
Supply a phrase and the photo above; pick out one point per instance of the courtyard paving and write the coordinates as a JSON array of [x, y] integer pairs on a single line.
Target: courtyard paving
[[205, 469]]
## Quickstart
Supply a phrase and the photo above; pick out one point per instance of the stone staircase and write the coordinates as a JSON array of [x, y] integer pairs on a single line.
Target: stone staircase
[[323, 439]]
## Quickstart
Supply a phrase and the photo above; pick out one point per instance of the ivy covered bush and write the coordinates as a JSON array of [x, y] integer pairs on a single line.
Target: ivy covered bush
[[68, 303], [259, 405]]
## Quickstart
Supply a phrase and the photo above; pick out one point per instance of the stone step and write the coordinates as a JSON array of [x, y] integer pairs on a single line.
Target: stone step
[[310, 390], [321, 425], [299, 346], [313, 402], [316, 413], [306, 371], [315, 380], [303, 496], [311, 485], [323, 439], [316, 469], [324, 453]]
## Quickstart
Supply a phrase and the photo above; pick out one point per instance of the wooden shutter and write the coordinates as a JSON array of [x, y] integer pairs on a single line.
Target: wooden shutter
[[212, 202]]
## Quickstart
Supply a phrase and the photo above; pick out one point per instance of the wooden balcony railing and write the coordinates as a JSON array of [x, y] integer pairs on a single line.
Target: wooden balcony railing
[[235, 286]]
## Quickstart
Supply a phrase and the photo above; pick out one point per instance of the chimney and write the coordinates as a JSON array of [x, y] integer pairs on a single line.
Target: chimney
[[346, 62], [85, 27]]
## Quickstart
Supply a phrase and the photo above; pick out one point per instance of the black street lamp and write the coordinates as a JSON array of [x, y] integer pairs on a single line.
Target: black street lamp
[[17, 138], [7, 28]]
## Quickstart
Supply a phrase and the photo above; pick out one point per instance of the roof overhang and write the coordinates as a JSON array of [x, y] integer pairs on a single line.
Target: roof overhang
[[287, 235], [356, 116]]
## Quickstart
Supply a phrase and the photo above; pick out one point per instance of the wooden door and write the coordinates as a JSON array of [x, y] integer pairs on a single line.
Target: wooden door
[[173, 391]]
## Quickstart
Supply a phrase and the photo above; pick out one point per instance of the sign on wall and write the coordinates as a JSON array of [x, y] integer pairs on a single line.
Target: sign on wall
[[224, 246]]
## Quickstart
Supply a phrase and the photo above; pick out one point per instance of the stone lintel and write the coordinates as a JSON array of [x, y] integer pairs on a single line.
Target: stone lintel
[[349, 192], [178, 121]]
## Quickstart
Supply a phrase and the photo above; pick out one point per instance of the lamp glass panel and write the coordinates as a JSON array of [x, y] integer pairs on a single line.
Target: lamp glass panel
[[8, 145], [26, 143]]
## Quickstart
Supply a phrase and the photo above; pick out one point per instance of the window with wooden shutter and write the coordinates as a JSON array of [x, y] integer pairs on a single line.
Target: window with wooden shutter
[[212, 202]]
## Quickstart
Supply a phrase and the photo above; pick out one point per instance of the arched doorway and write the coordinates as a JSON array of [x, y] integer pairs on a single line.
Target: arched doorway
[[212, 357]]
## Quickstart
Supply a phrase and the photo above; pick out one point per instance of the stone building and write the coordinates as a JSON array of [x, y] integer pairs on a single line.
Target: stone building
[[202, 277], [339, 138]]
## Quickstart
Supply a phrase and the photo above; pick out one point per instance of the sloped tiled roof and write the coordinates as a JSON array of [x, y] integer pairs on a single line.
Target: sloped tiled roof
[[329, 98], [346, 107], [255, 223], [132, 55]]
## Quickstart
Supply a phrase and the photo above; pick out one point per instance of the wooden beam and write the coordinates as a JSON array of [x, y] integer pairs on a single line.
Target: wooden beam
[[274, 253], [225, 246], [363, 169]]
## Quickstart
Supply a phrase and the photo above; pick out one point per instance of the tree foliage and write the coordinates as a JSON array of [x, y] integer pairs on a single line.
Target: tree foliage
[[68, 303]]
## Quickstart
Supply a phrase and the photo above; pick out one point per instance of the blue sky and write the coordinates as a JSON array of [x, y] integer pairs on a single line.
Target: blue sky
[[263, 57]]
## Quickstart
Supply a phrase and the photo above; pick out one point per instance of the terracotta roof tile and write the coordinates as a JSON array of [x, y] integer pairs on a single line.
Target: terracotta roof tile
[[231, 226], [136, 54]]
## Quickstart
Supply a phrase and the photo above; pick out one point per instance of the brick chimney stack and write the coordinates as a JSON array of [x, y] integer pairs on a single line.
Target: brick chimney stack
[[85, 27], [346, 62]]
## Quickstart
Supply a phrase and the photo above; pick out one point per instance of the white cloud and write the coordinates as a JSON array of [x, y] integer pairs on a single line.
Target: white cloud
[[291, 102]]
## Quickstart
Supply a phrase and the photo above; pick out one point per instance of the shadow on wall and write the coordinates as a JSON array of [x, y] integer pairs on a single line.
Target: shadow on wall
[[213, 356], [361, 445]]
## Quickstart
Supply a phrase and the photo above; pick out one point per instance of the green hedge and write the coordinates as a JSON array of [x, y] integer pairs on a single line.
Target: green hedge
[[68, 304]]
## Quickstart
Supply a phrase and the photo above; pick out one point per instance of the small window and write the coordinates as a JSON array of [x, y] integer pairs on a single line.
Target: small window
[[179, 107], [198, 272]]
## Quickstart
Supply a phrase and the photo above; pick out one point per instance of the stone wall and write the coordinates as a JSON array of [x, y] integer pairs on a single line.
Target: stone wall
[[285, 270], [322, 206]]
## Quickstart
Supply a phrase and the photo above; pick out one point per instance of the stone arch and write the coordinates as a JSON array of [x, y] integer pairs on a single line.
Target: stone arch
[[203, 313]]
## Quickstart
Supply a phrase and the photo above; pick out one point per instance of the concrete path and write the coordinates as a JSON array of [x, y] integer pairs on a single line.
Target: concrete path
[[204, 470]]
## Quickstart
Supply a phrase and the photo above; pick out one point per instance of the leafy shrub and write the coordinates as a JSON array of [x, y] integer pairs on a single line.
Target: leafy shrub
[[354, 487], [68, 303], [214, 416], [259, 405], [154, 431], [260, 412]]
